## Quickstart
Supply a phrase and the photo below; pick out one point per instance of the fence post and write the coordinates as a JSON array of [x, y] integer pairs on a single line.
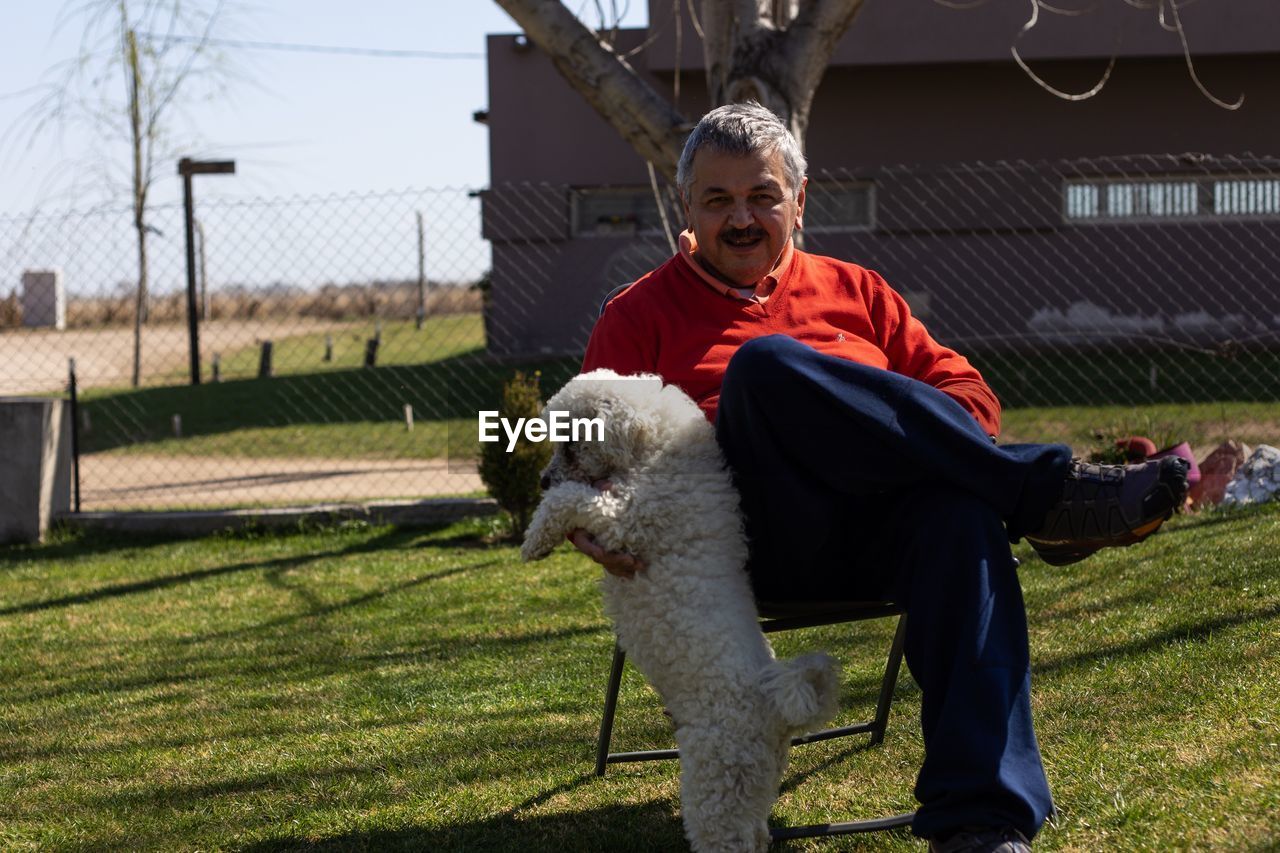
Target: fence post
[[217, 367], [264, 361], [75, 430], [371, 352], [328, 347]]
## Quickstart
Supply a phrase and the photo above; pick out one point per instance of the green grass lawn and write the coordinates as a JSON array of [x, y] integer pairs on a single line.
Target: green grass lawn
[[340, 413], [1165, 423], [363, 688], [314, 408], [341, 409]]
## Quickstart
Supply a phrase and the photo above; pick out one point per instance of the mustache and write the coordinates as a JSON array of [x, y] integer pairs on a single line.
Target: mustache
[[742, 234]]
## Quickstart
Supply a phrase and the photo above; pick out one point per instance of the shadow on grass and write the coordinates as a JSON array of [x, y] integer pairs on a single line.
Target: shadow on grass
[[396, 538], [1179, 634], [629, 826], [451, 389], [102, 678], [69, 544], [320, 610]]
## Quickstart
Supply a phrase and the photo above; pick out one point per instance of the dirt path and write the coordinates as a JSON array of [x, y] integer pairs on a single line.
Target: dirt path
[[130, 481]]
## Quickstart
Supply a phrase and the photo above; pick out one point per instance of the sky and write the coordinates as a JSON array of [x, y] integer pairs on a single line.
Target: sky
[[295, 122]]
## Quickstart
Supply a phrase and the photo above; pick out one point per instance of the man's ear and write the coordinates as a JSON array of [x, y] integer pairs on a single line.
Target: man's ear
[[804, 182]]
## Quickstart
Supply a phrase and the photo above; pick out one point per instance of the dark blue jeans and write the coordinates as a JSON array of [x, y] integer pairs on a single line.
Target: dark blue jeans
[[862, 484]]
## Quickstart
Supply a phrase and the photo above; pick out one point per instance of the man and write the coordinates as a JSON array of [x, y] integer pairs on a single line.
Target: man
[[864, 454]]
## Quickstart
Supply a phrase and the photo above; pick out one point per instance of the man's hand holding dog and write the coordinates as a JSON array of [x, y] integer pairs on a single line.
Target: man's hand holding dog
[[615, 563]]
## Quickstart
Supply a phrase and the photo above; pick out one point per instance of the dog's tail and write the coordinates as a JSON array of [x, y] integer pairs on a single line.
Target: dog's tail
[[804, 689]]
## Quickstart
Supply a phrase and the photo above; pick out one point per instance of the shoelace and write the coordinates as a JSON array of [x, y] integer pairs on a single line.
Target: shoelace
[[1099, 473]]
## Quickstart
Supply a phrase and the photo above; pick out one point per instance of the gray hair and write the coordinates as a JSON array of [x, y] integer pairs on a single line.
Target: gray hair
[[741, 129]]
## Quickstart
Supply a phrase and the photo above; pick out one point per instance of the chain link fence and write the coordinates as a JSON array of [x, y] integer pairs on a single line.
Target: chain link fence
[[346, 343]]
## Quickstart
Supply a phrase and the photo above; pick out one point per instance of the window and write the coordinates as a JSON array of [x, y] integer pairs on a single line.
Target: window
[[1247, 197], [1159, 199], [1132, 200], [838, 206], [613, 211]]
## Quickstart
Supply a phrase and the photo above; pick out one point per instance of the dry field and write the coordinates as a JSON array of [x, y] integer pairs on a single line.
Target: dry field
[[100, 334], [35, 360]]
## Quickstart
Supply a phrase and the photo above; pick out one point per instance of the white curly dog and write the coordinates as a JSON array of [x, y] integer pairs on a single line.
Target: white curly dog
[[688, 621]]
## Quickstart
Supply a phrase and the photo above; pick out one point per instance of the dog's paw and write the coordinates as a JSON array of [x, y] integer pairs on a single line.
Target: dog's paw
[[804, 689], [536, 547]]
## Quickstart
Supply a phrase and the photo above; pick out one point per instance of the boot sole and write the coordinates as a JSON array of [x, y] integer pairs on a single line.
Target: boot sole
[[1074, 553]]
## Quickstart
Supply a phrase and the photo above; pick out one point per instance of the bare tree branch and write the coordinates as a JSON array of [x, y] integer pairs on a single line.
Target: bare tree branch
[[693, 16], [1168, 19], [1191, 68], [812, 38], [1036, 6], [642, 116]]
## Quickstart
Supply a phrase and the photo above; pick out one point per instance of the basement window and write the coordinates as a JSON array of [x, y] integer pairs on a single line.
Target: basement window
[[614, 211], [832, 206]]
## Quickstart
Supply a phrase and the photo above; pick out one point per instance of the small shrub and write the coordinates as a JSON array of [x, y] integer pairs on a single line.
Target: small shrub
[[1163, 433], [10, 310], [512, 478]]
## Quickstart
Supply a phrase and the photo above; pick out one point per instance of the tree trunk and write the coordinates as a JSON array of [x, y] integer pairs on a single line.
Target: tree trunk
[[140, 304], [771, 51], [132, 69]]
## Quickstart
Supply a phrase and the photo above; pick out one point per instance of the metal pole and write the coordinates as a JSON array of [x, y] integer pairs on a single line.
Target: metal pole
[[193, 321], [186, 168]]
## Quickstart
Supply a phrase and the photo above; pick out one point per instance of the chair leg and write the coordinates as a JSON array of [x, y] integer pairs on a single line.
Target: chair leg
[[888, 683], [610, 705]]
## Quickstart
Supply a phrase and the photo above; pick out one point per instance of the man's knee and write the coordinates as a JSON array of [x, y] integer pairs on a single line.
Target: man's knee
[[758, 360], [763, 354], [763, 359]]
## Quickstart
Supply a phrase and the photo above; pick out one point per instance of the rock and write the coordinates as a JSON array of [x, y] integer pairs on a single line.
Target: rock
[[1216, 472], [1136, 448], [1258, 479]]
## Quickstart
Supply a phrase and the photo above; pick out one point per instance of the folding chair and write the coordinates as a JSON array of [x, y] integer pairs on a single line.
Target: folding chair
[[789, 616], [776, 617]]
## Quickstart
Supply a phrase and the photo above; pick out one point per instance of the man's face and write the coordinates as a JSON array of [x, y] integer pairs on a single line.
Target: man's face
[[742, 212]]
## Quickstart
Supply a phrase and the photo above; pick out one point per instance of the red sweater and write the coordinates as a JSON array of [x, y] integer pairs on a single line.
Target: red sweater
[[672, 324]]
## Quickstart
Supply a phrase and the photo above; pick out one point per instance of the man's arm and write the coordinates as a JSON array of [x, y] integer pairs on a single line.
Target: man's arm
[[913, 352], [617, 343]]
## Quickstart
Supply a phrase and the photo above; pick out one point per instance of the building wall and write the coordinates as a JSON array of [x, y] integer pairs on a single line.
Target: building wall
[[978, 106]]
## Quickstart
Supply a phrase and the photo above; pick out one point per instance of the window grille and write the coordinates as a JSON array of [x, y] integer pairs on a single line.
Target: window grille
[[1205, 198]]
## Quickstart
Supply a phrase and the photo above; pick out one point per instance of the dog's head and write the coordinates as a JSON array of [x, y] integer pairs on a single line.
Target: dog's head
[[621, 421]]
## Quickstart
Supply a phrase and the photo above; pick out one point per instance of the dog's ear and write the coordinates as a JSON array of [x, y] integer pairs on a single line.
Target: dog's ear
[[625, 430]]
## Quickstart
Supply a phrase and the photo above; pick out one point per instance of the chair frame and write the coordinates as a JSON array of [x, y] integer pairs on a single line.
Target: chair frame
[[789, 617]]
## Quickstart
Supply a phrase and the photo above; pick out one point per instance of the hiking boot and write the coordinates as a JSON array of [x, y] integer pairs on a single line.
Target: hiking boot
[[1109, 505], [1006, 840]]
